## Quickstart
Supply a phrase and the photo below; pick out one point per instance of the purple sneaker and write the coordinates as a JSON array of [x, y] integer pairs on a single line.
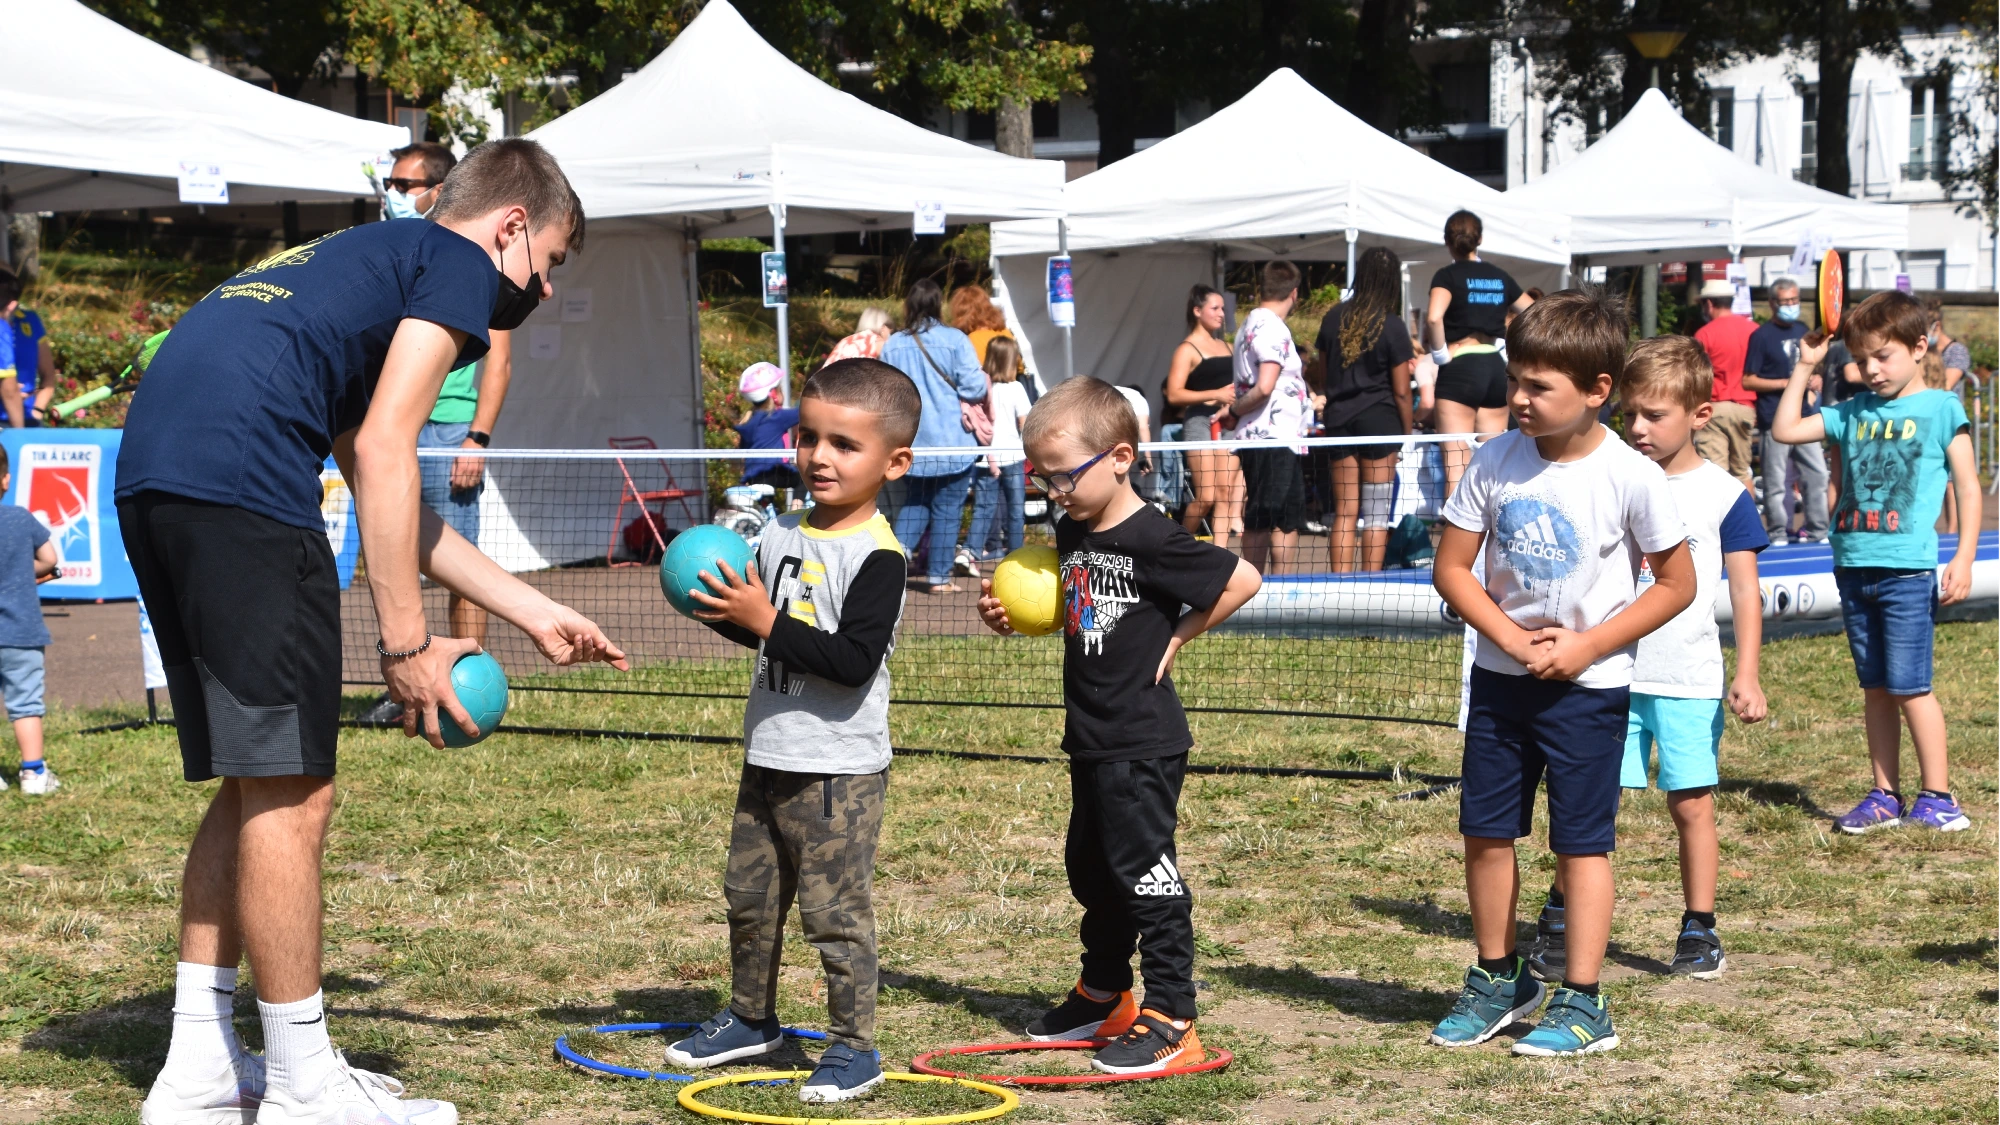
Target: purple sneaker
[[1879, 809], [1941, 813]]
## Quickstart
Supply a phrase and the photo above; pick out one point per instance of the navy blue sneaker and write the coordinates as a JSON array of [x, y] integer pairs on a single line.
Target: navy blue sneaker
[[843, 1073], [726, 1037], [1698, 953]]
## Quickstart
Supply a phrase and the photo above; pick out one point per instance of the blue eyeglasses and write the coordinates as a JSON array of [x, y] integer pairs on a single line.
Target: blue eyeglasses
[[1065, 483]]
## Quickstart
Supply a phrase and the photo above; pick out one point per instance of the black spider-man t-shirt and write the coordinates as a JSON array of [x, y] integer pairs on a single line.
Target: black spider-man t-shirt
[[1123, 590]]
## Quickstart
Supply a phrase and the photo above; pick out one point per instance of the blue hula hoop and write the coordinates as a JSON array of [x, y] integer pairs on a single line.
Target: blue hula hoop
[[570, 1055]]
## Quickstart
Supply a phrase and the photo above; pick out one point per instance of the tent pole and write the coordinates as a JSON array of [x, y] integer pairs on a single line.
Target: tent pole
[[1649, 300], [690, 249], [1352, 235], [784, 320], [1069, 349]]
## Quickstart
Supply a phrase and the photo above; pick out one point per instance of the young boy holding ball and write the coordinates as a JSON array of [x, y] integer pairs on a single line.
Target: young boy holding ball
[[821, 609], [1127, 572]]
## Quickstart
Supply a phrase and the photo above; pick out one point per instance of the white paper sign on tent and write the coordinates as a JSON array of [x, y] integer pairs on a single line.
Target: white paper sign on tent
[[928, 217], [202, 181], [544, 341], [575, 305], [1738, 275]]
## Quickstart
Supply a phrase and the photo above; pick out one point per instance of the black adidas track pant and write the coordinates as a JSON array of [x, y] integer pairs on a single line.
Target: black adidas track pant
[[1124, 872]]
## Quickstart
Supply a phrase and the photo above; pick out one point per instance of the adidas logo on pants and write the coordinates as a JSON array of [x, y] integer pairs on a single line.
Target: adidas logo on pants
[[1162, 880]]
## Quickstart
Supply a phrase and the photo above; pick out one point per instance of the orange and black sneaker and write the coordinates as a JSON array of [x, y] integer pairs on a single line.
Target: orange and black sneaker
[[1152, 1044], [1080, 1017]]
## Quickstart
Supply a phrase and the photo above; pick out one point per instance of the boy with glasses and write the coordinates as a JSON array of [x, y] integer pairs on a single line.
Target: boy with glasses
[[1127, 571]]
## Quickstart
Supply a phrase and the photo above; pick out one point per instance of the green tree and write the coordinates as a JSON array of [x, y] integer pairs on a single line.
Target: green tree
[[1594, 67], [290, 40]]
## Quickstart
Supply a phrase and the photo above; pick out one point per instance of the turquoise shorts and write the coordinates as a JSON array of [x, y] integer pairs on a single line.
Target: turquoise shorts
[[1685, 735]]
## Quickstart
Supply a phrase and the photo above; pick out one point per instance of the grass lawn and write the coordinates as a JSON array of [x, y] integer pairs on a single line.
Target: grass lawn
[[482, 902]]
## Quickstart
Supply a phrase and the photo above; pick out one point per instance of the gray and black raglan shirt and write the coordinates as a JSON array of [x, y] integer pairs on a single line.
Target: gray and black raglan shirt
[[819, 701]]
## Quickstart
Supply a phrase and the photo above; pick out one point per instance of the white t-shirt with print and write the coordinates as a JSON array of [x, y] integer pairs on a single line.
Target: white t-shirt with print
[[1683, 658], [1008, 403], [1564, 540], [1288, 412]]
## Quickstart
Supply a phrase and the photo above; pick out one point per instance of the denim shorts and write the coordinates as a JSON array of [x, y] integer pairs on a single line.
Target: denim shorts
[[1891, 618], [1518, 729], [458, 508], [21, 681], [1683, 735]]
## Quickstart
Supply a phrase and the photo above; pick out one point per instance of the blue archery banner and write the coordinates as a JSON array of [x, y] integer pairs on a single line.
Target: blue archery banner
[[66, 478]]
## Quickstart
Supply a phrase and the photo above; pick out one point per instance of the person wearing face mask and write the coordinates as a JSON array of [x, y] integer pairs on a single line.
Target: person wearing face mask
[[1772, 353], [335, 347], [468, 405]]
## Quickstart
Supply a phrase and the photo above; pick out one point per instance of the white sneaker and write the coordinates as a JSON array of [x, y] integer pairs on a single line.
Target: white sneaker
[[229, 1098], [355, 1097], [40, 782]]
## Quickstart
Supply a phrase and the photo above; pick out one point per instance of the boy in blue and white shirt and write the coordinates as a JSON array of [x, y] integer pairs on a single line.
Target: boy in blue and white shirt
[[1564, 513], [1679, 684]]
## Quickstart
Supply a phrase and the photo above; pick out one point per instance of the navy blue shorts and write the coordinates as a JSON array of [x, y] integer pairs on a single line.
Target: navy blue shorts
[[1518, 728], [1891, 619]]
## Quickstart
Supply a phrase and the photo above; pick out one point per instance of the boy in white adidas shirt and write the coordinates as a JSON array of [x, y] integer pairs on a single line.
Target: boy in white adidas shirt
[[1563, 512], [1677, 681]]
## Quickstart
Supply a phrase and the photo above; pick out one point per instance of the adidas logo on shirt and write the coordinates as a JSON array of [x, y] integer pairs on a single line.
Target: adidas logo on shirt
[[1163, 881], [1539, 540]]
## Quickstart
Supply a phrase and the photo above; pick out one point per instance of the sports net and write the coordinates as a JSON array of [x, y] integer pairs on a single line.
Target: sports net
[[1346, 626]]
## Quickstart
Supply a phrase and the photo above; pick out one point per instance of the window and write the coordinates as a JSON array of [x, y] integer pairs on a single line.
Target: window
[[1930, 139], [1809, 134], [1465, 91], [1047, 120], [979, 126], [1722, 118], [1597, 121], [1925, 267]]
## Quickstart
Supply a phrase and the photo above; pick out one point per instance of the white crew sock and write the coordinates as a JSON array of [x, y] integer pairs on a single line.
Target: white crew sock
[[204, 1041], [298, 1056]]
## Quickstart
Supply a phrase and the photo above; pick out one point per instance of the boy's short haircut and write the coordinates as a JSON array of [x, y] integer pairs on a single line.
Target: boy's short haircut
[[10, 288], [1675, 368], [876, 387], [1582, 333], [1280, 280], [506, 172], [438, 160], [1089, 412], [1788, 284], [1889, 315]]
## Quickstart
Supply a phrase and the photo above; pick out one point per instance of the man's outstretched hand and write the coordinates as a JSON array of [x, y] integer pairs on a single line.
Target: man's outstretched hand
[[568, 637]]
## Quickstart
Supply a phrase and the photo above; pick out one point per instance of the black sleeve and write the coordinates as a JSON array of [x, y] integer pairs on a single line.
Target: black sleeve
[[1186, 568], [735, 632], [1328, 342], [868, 614], [1446, 278], [1510, 294], [1396, 338]]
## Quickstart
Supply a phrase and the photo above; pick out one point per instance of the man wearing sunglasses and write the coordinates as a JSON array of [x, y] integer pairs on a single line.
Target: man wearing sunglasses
[[468, 405]]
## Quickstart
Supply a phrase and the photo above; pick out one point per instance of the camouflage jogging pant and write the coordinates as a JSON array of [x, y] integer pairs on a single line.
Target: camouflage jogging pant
[[809, 836]]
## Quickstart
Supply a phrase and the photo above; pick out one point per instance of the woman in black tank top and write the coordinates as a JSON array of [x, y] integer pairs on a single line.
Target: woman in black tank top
[[1199, 381], [1470, 301]]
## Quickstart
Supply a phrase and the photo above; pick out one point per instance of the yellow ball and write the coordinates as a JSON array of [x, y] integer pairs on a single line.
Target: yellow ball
[[1028, 583]]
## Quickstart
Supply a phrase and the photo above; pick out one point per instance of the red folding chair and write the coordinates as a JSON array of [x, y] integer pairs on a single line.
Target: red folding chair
[[645, 499]]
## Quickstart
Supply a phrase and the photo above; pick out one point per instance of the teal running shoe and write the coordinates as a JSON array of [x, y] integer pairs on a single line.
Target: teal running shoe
[[1488, 1004], [1575, 1024]]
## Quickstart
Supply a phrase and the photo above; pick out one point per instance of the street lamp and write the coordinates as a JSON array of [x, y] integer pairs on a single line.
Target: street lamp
[[1654, 42]]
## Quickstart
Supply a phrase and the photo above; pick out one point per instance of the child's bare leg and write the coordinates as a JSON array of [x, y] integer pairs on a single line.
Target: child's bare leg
[[1492, 884], [28, 732], [1885, 736], [1694, 821], [1587, 893], [1926, 719]]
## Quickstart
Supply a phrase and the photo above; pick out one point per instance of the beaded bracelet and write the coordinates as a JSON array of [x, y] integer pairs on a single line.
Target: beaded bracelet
[[412, 652]]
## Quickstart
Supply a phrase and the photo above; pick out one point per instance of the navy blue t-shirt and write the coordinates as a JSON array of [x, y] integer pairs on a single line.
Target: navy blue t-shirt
[[20, 606], [242, 403], [1773, 352]]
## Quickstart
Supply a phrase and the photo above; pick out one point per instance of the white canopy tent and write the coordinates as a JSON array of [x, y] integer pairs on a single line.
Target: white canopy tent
[[95, 117], [1281, 173], [720, 135], [1655, 187]]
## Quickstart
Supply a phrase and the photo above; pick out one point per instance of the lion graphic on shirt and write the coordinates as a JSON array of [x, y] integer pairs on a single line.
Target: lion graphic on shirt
[[1879, 475]]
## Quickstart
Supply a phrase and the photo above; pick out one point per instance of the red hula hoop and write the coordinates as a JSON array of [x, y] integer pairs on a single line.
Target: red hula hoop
[[1218, 1059]]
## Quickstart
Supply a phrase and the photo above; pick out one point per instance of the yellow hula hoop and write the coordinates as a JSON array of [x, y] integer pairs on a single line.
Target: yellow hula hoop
[[689, 1100]]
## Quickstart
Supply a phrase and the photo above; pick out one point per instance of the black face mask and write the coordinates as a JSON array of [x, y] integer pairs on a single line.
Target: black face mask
[[513, 303]]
